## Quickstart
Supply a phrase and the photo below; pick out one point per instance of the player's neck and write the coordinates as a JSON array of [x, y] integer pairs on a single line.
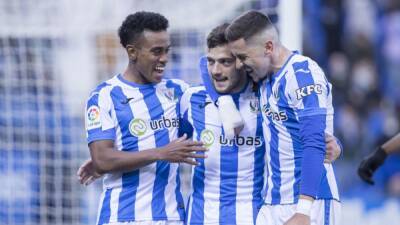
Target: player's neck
[[133, 75], [280, 58], [241, 84]]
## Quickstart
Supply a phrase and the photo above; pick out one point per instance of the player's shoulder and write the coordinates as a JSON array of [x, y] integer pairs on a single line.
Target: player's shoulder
[[304, 65], [196, 90], [175, 83], [103, 88]]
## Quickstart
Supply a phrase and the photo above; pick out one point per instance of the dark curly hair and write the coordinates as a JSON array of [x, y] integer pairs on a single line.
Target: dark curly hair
[[134, 25], [217, 36]]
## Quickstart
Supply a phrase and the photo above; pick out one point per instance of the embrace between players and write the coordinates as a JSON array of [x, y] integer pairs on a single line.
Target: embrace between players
[[258, 134]]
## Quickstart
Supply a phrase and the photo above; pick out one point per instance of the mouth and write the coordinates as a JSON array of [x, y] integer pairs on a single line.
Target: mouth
[[220, 79], [159, 69]]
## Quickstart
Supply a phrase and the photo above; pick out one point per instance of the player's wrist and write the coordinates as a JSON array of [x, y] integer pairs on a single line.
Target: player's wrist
[[304, 206], [380, 155]]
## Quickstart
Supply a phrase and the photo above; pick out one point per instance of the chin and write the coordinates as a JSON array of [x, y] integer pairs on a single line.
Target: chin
[[222, 91]]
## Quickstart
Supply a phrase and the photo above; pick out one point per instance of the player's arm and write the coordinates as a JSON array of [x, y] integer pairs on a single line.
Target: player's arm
[[309, 94], [373, 161], [107, 159], [233, 123]]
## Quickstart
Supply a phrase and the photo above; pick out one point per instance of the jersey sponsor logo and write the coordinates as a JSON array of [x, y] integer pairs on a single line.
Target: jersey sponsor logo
[[93, 117], [277, 116], [240, 141], [139, 127], [207, 137], [308, 90]]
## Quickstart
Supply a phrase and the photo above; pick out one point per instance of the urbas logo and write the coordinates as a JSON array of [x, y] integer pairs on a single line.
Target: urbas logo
[[277, 116], [240, 141], [308, 90], [207, 137], [138, 127]]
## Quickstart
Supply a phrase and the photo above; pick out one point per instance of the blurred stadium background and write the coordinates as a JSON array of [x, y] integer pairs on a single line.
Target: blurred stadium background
[[53, 53]]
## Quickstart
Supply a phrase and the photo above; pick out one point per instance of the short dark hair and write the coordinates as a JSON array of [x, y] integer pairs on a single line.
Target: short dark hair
[[247, 25], [217, 36], [134, 25]]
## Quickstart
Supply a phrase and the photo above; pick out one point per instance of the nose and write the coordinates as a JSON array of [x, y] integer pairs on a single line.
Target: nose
[[215, 69], [164, 58]]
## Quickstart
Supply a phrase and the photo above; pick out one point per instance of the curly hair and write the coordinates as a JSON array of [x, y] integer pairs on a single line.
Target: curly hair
[[134, 25]]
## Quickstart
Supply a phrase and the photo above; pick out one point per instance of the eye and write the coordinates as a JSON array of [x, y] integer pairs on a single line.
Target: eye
[[227, 62], [210, 61]]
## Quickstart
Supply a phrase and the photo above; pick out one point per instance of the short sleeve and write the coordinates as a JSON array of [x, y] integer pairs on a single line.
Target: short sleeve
[[308, 90], [99, 122]]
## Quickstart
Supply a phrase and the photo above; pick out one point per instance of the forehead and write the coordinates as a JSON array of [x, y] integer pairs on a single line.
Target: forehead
[[238, 46], [152, 39], [220, 52]]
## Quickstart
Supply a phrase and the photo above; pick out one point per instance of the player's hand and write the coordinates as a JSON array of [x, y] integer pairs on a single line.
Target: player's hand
[[183, 150], [298, 219], [370, 163], [332, 149], [86, 173]]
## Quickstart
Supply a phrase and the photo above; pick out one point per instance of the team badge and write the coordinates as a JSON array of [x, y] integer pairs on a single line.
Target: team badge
[[254, 105], [93, 117], [137, 127], [170, 95]]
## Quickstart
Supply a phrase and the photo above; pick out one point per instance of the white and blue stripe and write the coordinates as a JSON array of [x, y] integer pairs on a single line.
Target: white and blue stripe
[[153, 192], [226, 187], [285, 98]]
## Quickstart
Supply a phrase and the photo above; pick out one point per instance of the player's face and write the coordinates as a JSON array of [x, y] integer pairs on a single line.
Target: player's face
[[152, 56], [251, 58], [222, 69]]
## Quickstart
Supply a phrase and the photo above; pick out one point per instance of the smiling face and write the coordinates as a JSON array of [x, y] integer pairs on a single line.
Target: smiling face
[[254, 58], [150, 56], [222, 69]]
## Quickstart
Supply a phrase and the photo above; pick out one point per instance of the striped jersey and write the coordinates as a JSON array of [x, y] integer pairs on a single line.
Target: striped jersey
[[226, 187], [299, 89], [137, 117]]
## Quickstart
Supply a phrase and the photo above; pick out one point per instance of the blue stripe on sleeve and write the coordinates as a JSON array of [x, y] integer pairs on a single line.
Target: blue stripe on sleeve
[[162, 167], [198, 115], [312, 136], [130, 180], [98, 134], [304, 78]]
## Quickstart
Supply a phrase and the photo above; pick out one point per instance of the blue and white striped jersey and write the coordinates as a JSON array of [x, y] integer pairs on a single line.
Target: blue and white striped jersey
[[298, 90], [138, 117], [226, 187]]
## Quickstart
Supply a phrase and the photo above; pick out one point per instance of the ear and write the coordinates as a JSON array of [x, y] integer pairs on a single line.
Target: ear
[[268, 47], [132, 52]]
